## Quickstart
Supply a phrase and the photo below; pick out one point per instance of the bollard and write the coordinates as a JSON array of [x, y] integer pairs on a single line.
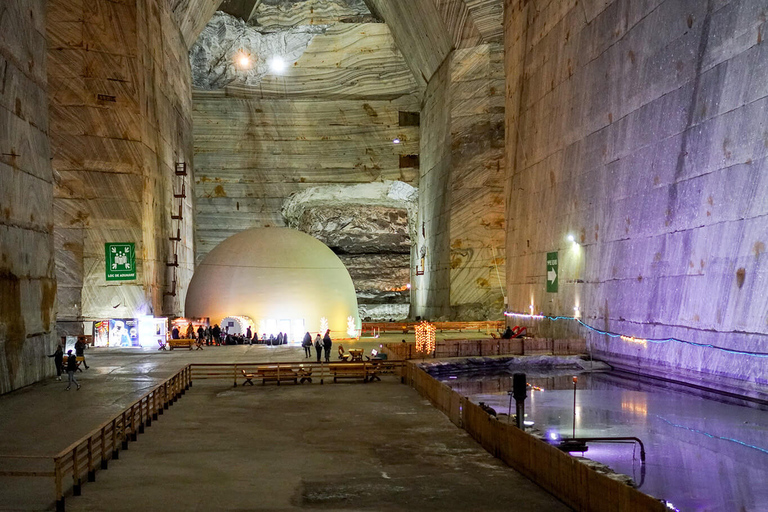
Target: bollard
[[519, 389]]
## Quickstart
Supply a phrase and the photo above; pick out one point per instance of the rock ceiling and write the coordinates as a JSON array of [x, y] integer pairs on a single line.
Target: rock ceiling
[[333, 41]]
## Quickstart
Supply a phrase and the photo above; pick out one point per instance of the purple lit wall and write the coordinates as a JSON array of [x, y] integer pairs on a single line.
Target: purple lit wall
[[641, 130]]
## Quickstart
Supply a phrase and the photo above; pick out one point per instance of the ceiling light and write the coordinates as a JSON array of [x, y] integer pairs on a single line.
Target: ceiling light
[[571, 238], [277, 64], [395, 141], [243, 60]]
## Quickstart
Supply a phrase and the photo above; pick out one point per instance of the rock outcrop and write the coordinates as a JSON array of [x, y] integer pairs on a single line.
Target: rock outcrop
[[370, 226]]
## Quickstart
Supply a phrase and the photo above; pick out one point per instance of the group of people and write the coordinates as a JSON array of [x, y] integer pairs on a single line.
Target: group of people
[[72, 362], [320, 344], [216, 336]]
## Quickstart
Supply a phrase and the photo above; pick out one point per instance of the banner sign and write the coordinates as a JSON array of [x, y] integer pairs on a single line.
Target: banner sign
[[121, 261]]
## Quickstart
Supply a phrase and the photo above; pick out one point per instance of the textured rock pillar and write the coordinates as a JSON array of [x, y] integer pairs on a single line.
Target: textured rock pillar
[[27, 280], [640, 130], [461, 201], [430, 296], [120, 116]]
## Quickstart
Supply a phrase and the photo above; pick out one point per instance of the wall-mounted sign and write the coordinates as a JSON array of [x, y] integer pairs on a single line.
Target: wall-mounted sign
[[552, 272], [121, 262]]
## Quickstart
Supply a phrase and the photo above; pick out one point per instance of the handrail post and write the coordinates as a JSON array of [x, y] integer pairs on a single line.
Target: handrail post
[[75, 474], [104, 461], [115, 452], [59, 492], [124, 429], [234, 376], [91, 469], [134, 433], [141, 416]]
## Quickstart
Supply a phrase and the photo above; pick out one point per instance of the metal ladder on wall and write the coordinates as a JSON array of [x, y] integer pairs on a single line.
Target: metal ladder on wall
[[177, 220]]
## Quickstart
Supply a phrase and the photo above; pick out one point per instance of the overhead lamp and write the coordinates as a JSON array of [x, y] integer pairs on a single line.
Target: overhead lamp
[[276, 64], [571, 238], [243, 60], [395, 141]]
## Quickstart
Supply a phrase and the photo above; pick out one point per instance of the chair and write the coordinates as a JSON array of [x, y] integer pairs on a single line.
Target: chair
[[342, 355], [162, 345]]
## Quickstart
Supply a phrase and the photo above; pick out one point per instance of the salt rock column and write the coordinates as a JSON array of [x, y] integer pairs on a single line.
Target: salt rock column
[[27, 280]]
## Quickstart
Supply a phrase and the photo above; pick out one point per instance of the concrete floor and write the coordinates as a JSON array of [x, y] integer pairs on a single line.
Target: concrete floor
[[346, 446]]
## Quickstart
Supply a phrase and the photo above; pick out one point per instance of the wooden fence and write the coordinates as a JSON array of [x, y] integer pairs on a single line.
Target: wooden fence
[[574, 483], [486, 326], [282, 371], [84, 457], [489, 347]]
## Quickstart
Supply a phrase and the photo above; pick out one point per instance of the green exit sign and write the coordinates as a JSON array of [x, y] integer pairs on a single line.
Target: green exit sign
[[121, 261], [552, 272]]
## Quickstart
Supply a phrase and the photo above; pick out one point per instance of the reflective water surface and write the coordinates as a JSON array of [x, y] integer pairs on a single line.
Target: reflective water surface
[[702, 454]]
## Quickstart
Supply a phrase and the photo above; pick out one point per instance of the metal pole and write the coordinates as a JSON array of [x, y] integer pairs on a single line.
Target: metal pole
[[574, 405], [519, 388]]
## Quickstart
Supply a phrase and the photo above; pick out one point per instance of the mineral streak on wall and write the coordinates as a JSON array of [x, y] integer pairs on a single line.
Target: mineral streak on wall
[[461, 201], [640, 128], [120, 121], [27, 274]]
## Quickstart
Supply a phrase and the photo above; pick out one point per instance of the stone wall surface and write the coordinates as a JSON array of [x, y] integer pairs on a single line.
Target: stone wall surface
[[461, 202], [370, 227], [311, 148], [27, 273], [640, 129], [430, 295], [120, 103], [477, 183]]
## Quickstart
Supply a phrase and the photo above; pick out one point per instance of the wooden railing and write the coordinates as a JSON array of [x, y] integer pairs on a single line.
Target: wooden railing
[[317, 371], [576, 484], [489, 347], [486, 326], [82, 458]]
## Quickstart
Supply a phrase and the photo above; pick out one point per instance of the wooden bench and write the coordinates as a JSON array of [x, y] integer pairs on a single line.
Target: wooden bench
[[349, 371], [248, 378], [184, 342], [276, 374]]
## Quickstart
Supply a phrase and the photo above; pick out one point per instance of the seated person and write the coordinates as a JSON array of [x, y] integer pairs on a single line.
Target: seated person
[[507, 334]]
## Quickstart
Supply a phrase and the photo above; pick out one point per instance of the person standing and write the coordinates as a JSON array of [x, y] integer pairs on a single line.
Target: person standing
[[71, 369], [216, 334], [248, 334], [307, 344], [58, 360], [80, 351], [175, 333], [190, 334], [327, 344], [318, 346]]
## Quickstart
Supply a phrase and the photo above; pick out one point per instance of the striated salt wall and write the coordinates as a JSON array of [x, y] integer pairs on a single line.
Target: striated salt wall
[[27, 276], [121, 120], [639, 128]]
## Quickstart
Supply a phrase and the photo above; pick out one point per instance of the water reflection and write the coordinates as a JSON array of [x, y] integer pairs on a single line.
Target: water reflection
[[702, 454]]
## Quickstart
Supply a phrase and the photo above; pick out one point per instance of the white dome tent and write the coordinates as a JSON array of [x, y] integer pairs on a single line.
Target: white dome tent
[[281, 279]]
